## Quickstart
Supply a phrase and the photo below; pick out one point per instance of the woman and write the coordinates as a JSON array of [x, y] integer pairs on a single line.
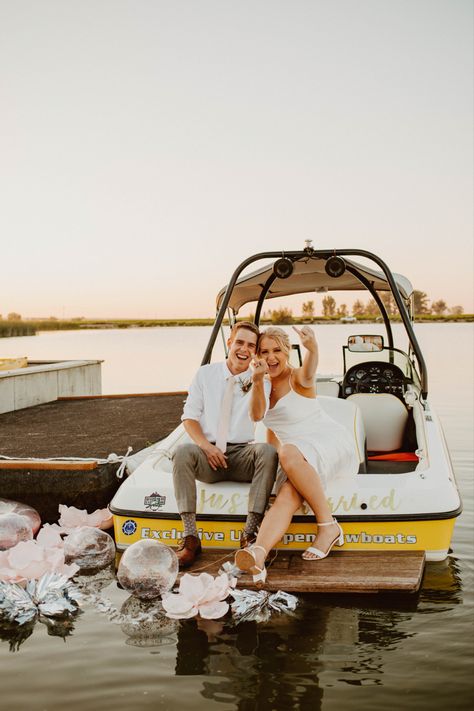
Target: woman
[[311, 447]]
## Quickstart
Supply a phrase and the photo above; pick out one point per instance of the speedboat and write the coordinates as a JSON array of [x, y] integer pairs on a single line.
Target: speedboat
[[404, 496]]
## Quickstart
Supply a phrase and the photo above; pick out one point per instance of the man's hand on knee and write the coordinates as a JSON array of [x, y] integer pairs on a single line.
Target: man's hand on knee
[[215, 457]]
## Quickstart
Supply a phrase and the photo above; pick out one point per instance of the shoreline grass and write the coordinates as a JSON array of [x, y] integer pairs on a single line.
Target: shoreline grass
[[11, 329]]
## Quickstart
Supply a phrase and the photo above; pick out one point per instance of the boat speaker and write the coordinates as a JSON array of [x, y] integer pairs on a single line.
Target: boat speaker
[[283, 268], [335, 267]]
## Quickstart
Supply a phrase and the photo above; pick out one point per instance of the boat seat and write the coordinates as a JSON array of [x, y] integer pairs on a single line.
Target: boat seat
[[385, 417], [343, 411], [327, 387]]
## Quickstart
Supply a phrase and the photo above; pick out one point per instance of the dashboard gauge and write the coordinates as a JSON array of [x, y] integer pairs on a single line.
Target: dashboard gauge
[[387, 373], [375, 370], [360, 374]]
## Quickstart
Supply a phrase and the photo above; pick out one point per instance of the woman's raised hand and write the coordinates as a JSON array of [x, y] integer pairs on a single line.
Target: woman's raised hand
[[307, 337], [259, 368]]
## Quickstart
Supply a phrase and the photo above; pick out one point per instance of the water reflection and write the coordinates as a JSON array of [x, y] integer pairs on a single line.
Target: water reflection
[[288, 663], [282, 664], [16, 634], [146, 625]]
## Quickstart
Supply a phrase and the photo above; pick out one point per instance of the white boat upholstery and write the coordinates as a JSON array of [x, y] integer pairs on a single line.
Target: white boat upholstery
[[343, 411], [327, 387], [385, 418]]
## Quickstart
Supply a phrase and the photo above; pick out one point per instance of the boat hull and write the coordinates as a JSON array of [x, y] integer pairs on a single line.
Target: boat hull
[[431, 536]]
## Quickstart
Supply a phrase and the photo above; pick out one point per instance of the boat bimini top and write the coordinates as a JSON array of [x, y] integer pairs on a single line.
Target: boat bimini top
[[315, 270], [308, 275]]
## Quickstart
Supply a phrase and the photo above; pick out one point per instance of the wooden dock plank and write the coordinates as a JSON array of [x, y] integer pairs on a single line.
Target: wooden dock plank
[[341, 572]]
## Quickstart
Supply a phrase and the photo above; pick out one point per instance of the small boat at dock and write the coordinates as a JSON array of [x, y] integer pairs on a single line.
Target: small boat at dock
[[404, 496]]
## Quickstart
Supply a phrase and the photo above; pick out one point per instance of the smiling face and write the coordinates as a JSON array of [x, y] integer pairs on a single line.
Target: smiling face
[[274, 354], [242, 347]]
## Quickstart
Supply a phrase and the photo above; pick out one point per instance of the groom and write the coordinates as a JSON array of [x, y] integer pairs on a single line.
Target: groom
[[216, 417]]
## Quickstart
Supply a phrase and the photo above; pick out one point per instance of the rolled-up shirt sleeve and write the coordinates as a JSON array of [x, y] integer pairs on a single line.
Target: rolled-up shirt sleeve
[[194, 405]]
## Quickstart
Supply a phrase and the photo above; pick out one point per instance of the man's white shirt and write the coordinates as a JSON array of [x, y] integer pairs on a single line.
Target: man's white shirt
[[204, 402]]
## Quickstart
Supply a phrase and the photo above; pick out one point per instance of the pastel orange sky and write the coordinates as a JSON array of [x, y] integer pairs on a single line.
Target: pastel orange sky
[[149, 147]]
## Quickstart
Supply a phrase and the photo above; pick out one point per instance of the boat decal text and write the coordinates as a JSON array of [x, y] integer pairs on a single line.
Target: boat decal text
[[237, 503], [372, 503], [354, 538]]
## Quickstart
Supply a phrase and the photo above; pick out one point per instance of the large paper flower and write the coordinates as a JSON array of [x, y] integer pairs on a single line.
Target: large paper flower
[[29, 560], [201, 595], [70, 517]]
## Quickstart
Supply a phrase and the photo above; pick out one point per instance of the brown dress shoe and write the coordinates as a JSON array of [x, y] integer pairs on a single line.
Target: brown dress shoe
[[188, 551], [246, 539]]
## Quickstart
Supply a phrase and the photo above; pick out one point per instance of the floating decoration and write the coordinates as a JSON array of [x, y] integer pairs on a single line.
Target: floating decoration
[[14, 529], [52, 595], [92, 581], [89, 548], [202, 595], [258, 606], [8, 506], [145, 624], [148, 569], [71, 518], [30, 560]]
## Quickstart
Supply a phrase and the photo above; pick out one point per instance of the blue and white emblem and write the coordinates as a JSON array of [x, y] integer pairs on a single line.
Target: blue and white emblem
[[129, 527]]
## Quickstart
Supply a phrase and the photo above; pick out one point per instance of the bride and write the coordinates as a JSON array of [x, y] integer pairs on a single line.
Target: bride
[[311, 446]]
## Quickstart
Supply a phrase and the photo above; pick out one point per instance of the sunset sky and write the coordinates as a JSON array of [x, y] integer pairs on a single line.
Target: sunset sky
[[149, 146]]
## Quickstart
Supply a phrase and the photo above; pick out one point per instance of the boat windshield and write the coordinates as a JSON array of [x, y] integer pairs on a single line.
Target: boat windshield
[[386, 355]]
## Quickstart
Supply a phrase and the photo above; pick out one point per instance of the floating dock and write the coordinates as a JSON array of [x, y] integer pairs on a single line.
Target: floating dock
[[341, 572], [70, 430]]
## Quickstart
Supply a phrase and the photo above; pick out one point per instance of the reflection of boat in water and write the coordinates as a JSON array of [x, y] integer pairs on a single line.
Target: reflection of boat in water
[[405, 495], [297, 662]]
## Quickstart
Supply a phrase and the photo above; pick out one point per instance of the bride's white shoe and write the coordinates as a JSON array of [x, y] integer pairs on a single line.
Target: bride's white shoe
[[246, 560], [316, 553]]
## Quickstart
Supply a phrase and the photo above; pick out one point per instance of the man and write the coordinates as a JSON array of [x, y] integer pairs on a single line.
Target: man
[[216, 418]]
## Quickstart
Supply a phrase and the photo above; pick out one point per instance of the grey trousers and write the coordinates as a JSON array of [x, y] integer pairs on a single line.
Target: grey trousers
[[245, 462]]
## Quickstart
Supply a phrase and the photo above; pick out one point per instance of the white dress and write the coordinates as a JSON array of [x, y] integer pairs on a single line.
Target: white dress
[[325, 444]]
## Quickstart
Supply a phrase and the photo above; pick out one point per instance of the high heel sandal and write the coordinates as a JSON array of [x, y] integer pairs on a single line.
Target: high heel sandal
[[245, 560], [338, 541]]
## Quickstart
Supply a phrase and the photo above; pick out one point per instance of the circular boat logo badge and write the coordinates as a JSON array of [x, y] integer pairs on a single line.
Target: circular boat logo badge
[[129, 527]]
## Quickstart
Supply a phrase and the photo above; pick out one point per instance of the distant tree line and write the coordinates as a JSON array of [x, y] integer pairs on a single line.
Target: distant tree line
[[361, 309]]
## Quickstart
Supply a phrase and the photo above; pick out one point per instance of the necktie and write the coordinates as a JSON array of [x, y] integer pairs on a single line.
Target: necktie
[[224, 415]]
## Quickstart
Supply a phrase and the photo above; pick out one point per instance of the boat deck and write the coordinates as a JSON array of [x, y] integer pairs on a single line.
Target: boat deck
[[341, 572]]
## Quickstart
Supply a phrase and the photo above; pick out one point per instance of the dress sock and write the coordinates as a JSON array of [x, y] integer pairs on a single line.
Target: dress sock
[[253, 522], [189, 520]]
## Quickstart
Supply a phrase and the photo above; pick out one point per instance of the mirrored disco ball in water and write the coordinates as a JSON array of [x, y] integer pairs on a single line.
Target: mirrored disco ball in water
[[89, 548], [145, 624], [148, 569], [14, 529]]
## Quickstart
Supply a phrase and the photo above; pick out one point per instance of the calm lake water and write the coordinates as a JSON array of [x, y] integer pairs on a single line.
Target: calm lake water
[[359, 652]]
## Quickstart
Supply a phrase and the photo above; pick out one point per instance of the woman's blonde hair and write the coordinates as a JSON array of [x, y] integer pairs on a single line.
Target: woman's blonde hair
[[278, 335]]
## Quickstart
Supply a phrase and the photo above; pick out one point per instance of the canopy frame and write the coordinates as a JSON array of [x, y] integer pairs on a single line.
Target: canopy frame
[[310, 253]]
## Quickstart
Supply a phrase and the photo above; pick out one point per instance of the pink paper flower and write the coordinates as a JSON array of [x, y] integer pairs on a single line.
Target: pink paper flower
[[70, 517], [29, 560], [49, 536], [199, 595]]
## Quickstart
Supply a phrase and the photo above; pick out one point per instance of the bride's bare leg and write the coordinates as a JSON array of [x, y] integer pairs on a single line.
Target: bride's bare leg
[[306, 481], [277, 520]]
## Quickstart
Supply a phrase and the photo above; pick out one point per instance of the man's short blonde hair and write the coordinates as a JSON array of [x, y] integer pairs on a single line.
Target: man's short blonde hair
[[278, 335]]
